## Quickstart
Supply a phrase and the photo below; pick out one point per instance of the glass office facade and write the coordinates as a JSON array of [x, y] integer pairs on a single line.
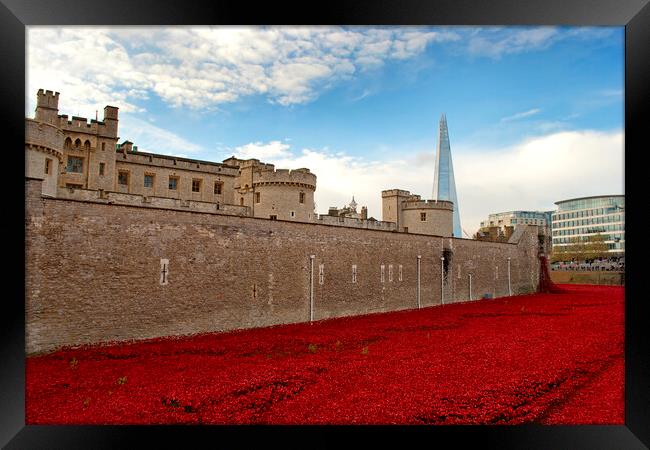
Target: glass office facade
[[582, 217], [444, 185]]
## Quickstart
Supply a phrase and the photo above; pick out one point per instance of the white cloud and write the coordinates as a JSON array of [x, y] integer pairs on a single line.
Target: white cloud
[[531, 175], [521, 115], [263, 152], [495, 42], [202, 67]]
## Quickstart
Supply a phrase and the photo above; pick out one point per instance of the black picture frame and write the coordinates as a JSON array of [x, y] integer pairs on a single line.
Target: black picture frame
[[15, 15]]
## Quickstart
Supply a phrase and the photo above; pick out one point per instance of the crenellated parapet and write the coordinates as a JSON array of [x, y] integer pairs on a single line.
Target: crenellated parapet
[[395, 192], [44, 137], [76, 124], [302, 178], [176, 163], [427, 204]]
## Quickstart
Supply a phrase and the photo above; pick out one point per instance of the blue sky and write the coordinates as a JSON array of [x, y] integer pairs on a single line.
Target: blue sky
[[535, 114]]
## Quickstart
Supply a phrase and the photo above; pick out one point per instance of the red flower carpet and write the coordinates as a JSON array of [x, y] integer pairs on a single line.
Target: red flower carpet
[[544, 358]]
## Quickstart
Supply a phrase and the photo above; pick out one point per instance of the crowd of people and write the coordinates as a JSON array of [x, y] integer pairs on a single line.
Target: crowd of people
[[608, 264]]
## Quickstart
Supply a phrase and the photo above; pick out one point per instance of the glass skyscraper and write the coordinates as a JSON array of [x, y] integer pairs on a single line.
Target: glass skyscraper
[[444, 186]]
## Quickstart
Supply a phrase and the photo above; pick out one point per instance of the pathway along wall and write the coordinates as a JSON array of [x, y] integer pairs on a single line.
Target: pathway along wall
[[97, 272]]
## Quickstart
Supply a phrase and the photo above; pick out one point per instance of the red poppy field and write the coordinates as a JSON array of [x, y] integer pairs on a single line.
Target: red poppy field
[[543, 358]]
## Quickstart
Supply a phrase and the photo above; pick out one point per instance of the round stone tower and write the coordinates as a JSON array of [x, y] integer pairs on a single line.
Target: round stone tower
[[428, 216], [280, 194], [44, 142]]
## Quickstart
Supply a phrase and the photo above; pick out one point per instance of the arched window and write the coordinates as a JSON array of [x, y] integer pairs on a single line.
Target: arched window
[[87, 145], [77, 143], [68, 143]]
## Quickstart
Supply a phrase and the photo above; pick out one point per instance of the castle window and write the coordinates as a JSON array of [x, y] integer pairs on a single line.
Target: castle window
[[321, 273], [173, 183], [354, 273], [292, 213], [241, 201], [48, 164], [196, 185], [302, 197], [75, 164], [73, 186], [148, 180], [77, 143], [382, 273], [123, 178], [399, 274], [272, 216], [218, 186], [68, 143], [218, 206], [103, 146], [423, 217], [390, 272], [257, 197], [101, 168], [87, 145]]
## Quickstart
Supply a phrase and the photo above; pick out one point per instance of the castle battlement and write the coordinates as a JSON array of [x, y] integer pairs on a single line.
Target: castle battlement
[[427, 204], [177, 163], [44, 137], [393, 192], [302, 177], [47, 99], [77, 124]]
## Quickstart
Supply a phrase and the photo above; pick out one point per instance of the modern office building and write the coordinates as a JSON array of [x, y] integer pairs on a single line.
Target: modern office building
[[444, 185], [582, 217]]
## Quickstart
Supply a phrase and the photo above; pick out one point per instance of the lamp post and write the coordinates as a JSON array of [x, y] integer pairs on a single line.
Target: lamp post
[[442, 280], [509, 286], [419, 259], [470, 285], [311, 288]]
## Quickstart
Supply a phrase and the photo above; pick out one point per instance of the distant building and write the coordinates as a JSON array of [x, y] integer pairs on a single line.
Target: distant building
[[349, 211], [588, 216], [500, 226]]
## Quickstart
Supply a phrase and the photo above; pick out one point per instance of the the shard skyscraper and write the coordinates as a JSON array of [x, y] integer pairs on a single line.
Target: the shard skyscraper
[[444, 186]]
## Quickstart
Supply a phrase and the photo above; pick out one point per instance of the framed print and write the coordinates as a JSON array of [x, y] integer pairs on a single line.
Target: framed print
[[399, 221]]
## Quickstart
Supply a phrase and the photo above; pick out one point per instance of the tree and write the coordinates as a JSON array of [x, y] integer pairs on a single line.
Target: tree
[[566, 252], [595, 247], [581, 249]]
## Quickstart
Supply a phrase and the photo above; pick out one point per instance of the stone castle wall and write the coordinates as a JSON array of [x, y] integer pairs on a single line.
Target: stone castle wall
[[120, 198], [93, 271]]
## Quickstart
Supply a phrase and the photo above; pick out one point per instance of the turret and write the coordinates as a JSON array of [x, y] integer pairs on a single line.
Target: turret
[[110, 119], [47, 107], [364, 213]]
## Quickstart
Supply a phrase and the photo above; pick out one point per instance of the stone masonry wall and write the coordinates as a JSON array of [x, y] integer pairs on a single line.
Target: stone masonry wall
[[93, 271]]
